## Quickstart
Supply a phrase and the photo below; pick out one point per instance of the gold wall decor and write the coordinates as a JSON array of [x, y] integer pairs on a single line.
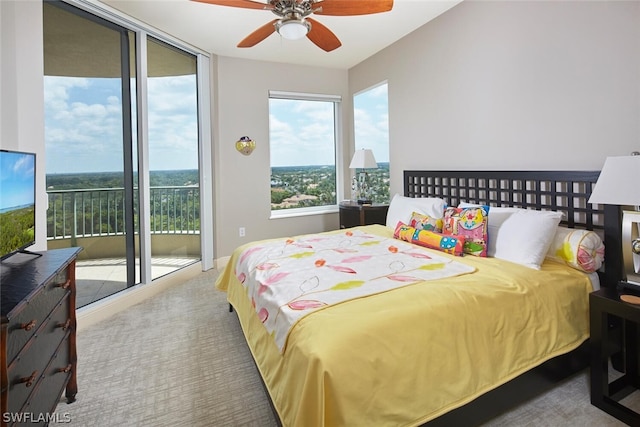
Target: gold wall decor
[[245, 145]]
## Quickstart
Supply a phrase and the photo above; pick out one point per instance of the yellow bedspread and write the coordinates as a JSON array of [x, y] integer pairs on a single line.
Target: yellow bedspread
[[406, 356]]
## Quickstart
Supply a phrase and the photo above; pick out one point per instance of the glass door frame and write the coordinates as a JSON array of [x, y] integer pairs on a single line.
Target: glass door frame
[[127, 129], [205, 155]]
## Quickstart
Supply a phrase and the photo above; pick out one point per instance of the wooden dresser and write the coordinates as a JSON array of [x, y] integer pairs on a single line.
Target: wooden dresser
[[38, 335]]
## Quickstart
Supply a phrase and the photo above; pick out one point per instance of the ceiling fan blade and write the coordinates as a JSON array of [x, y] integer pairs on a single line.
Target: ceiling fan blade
[[322, 36], [247, 4], [258, 35], [353, 7]]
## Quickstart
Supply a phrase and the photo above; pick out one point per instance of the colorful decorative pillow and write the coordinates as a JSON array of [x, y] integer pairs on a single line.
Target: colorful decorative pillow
[[499, 215], [425, 222], [580, 249], [470, 223], [401, 208], [404, 232], [429, 239]]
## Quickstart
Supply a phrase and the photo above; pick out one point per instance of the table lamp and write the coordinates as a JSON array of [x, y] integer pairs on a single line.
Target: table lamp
[[619, 184], [363, 160]]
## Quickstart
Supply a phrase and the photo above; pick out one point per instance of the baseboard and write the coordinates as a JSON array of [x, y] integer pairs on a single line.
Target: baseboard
[[107, 307], [222, 262]]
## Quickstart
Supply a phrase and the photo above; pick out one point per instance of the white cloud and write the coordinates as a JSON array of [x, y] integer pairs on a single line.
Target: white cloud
[[83, 123], [371, 122], [301, 132]]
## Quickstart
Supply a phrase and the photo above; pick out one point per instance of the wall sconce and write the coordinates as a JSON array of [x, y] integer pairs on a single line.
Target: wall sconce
[[362, 159], [245, 145], [619, 184]]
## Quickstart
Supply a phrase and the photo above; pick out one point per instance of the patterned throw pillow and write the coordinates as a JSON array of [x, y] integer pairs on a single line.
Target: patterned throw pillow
[[425, 222], [470, 223], [580, 249], [449, 244]]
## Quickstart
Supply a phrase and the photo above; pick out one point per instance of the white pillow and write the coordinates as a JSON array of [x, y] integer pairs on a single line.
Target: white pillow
[[401, 208], [524, 236]]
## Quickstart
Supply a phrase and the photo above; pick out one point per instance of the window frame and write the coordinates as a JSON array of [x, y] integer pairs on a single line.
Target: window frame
[[338, 144]]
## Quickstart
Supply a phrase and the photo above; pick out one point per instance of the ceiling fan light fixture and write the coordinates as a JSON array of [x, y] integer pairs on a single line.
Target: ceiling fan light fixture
[[293, 29]]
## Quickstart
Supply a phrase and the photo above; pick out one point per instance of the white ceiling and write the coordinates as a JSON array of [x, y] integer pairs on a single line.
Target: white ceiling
[[218, 29]]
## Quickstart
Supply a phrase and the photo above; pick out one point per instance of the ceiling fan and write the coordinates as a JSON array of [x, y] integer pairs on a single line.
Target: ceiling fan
[[294, 21]]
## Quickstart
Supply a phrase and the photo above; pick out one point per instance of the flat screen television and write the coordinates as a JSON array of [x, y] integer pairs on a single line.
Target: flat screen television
[[17, 202]]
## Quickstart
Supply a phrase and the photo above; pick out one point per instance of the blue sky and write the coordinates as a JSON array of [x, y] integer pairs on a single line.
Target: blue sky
[[371, 121], [83, 122], [83, 126], [17, 174], [301, 132]]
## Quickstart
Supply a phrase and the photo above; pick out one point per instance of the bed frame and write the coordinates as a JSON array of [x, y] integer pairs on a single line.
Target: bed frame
[[563, 191]]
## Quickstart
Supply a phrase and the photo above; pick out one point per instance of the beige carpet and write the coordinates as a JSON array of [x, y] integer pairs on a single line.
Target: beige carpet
[[179, 359]]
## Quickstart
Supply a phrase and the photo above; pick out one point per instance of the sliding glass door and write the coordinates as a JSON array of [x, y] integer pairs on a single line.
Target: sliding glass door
[[89, 146], [122, 150], [173, 157]]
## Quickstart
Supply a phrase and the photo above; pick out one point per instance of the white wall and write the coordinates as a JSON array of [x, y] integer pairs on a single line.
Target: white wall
[[22, 93], [512, 85], [242, 186]]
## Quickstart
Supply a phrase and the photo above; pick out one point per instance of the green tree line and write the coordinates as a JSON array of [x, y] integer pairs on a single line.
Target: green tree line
[[17, 228], [173, 210]]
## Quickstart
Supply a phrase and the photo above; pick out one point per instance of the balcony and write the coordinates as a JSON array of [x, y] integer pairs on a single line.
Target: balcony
[[94, 220]]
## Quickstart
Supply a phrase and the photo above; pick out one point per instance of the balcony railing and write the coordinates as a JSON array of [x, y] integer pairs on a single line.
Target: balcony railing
[[100, 212]]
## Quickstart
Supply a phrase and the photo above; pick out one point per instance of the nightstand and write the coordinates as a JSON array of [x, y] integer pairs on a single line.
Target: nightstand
[[614, 329], [352, 214]]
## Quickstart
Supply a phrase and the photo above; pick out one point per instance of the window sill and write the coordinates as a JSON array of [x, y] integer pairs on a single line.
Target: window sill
[[291, 213]]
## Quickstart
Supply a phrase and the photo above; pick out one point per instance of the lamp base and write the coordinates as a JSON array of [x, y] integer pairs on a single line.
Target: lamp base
[[364, 202]]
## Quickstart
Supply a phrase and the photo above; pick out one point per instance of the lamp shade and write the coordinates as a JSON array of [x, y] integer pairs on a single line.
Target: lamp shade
[[619, 182], [363, 159], [293, 29]]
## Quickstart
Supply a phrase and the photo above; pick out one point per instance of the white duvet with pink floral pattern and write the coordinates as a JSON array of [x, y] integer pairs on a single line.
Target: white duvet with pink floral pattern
[[288, 279]]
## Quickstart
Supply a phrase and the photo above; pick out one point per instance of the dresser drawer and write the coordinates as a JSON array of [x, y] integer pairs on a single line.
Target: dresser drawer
[[28, 366], [38, 337], [28, 317], [48, 391]]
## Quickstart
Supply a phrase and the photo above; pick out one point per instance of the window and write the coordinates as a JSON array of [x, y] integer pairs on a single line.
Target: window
[[302, 135], [371, 130]]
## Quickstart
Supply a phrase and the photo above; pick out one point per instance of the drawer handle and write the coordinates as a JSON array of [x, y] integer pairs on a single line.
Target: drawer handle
[[28, 380], [66, 369], [65, 285], [64, 325], [29, 326]]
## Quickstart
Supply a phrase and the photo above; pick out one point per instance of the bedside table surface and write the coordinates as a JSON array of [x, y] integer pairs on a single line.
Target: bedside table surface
[[608, 299], [354, 205]]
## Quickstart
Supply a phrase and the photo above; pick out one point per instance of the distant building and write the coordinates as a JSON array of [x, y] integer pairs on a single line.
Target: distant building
[[293, 201]]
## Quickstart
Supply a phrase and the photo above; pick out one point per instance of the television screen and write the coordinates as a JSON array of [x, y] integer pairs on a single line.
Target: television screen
[[17, 201]]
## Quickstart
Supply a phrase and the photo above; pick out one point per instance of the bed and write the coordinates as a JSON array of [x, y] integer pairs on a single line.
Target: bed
[[439, 333]]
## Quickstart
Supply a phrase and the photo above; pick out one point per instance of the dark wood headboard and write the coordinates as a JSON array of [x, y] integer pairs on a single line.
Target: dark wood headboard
[[562, 191]]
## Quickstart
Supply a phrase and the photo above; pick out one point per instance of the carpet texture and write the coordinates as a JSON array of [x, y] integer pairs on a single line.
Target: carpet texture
[[180, 359]]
